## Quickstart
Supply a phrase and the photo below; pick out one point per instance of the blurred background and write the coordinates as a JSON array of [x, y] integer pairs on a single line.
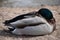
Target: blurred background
[[28, 3], [12, 8]]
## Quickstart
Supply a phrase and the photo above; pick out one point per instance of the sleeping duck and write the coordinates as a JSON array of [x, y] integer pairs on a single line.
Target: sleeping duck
[[35, 23]]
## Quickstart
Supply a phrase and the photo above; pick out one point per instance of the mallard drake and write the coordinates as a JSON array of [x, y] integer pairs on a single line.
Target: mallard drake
[[35, 23]]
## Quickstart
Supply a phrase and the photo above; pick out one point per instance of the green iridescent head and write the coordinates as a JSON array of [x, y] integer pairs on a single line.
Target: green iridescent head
[[46, 13]]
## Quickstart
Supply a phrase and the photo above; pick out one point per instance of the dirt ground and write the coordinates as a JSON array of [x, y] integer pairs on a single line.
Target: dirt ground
[[8, 13]]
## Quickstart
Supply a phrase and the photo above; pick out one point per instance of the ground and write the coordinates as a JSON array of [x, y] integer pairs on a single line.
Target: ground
[[8, 13]]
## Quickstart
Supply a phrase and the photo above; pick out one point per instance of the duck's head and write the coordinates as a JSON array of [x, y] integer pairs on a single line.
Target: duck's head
[[47, 14]]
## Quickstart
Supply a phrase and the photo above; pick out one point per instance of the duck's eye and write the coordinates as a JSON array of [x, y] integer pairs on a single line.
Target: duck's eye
[[46, 13]]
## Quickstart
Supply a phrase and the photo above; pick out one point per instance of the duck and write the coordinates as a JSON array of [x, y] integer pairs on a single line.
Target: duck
[[41, 22]]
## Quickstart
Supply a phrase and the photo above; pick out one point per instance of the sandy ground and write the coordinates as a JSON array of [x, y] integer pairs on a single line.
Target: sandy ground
[[8, 13]]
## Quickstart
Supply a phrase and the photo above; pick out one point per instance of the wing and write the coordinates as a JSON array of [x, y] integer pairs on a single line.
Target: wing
[[31, 14]]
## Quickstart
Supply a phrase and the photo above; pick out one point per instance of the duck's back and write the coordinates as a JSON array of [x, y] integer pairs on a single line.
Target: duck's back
[[28, 22]]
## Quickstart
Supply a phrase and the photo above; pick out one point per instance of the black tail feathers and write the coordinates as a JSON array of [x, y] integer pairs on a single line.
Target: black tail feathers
[[6, 22]]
